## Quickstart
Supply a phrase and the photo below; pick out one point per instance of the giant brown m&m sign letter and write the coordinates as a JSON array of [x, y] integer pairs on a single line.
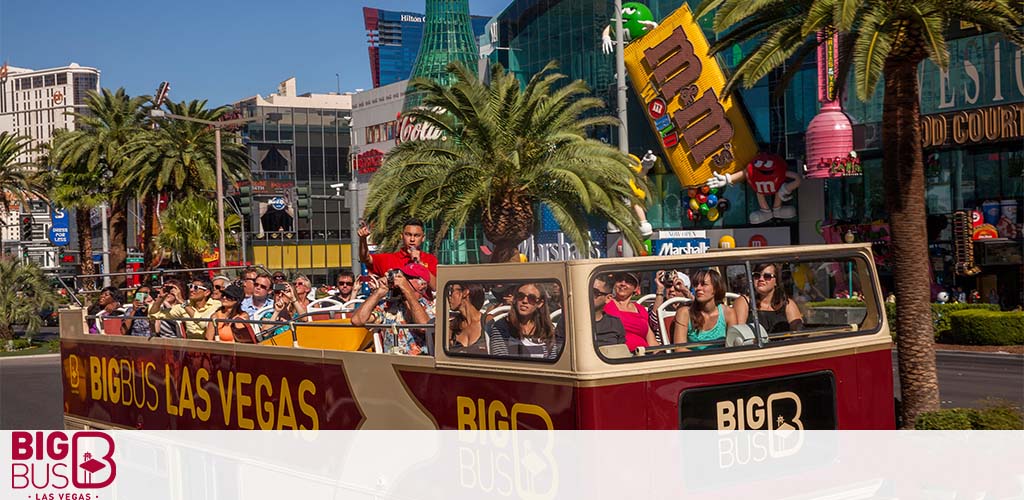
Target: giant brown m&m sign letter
[[700, 131]]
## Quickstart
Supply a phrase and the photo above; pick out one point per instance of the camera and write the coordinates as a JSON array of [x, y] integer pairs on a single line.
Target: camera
[[669, 278], [279, 287], [391, 277]]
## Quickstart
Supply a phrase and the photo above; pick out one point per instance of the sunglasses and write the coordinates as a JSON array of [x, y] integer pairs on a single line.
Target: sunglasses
[[766, 276], [261, 285], [218, 287], [530, 298], [345, 283], [278, 278], [195, 287], [598, 292]]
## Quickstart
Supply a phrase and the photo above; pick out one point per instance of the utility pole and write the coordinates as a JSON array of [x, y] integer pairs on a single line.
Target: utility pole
[[620, 87], [106, 245]]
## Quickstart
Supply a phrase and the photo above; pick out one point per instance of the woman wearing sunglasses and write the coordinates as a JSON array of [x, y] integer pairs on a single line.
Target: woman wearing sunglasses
[[632, 315], [707, 318], [231, 308], [776, 312], [527, 331]]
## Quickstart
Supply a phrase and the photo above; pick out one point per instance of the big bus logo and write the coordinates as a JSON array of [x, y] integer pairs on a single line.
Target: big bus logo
[[53, 460]]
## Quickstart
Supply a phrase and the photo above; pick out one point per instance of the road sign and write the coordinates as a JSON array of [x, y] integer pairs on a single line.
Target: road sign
[[59, 230]]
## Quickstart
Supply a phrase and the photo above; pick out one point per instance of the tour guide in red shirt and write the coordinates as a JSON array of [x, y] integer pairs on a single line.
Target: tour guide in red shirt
[[412, 239]]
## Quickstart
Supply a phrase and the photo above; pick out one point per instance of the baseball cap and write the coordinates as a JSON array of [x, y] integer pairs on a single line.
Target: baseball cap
[[233, 292], [413, 270]]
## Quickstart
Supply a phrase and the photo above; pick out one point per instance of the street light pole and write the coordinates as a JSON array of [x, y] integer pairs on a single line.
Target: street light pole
[[217, 125], [105, 236], [620, 87], [221, 248]]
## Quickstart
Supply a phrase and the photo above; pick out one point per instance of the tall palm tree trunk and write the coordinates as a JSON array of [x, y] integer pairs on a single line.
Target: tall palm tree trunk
[[905, 198], [149, 232], [84, 226], [118, 241]]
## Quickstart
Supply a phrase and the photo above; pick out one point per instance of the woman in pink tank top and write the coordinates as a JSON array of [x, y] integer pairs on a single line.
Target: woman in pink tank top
[[632, 315]]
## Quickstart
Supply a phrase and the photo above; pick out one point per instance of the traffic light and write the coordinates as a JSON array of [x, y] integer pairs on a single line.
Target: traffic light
[[245, 199], [302, 201], [26, 228]]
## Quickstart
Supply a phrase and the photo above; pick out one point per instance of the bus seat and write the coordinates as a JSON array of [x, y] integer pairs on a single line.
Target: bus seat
[[731, 296], [615, 351], [742, 334], [499, 312], [649, 298], [326, 306], [316, 335], [112, 325], [666, 317]]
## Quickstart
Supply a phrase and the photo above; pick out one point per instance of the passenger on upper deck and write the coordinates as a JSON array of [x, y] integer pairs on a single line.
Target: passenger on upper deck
[[302, 287], [670, 284], [410, 253], [527, 331], [776, 312], [220, 282], [231, 308], [137, 323], [199, 305], [108, 304], [286, 308], [171, 294], [249, 280], [608, 329], [503, 295], [467, 323], [402, 297], [632, 315], [260, 295], [706, 319], [346, 290]]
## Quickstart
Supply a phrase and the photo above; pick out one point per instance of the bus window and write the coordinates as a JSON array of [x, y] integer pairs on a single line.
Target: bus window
[[521, 320], [701, 309]]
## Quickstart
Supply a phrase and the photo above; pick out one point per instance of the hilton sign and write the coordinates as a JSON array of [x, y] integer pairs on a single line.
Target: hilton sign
[[701, 131]]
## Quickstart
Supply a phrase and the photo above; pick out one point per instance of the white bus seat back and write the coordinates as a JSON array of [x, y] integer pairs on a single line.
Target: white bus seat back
[[664, 313]]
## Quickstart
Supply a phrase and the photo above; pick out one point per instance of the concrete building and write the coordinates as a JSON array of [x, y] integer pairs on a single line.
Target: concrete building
[[299, 147], [35, 103]]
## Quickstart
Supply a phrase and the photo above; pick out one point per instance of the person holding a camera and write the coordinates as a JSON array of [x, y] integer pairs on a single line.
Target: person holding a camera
[[286, 308], [401, 297], [162, 309], [410, 253], [670, 284]]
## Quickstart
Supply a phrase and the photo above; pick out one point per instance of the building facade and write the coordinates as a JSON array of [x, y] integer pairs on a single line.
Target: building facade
[[973, 135], [394, 39], [299, 147], [35, 103]]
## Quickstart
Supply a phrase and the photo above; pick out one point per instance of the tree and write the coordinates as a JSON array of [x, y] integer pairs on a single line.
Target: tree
[[77, 187], [884, 40], [94, 153], [178, 158], [505, 149], [17, 179], [25, 292], [189, 225]]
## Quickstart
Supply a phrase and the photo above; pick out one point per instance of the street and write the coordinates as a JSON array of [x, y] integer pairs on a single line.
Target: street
[[30, 387]]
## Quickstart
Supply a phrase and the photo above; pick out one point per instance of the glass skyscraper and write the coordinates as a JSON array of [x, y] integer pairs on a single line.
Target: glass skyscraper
[[394, 38]]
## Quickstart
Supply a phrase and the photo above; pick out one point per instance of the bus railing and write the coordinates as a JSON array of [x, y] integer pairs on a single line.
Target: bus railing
[[265, 325]]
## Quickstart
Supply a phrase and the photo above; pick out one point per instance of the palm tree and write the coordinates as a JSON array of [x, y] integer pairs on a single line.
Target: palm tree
[[76, 187], [179, 158], [884, 40], [17, 179], [189, 225], [94, 153], [24, 294], [505, 149]]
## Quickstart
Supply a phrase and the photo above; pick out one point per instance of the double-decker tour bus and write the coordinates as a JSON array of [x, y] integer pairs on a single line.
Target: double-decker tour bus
[[745, 339]]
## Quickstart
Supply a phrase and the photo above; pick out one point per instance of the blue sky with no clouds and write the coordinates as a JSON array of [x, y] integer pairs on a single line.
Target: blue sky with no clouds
[[216, 50]]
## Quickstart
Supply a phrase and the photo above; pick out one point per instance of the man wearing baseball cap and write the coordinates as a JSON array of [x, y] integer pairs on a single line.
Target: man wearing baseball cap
[[401, 297]]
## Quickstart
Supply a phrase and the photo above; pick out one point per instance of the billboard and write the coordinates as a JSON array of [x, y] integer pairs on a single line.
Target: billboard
[[680, 86]]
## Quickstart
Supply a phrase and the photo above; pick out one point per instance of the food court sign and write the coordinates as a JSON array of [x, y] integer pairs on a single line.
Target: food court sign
[[680, 85]]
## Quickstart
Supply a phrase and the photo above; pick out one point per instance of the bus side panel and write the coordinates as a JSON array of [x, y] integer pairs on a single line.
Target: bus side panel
[[615, 407], [131, 384], [849, 408], [481, 401]]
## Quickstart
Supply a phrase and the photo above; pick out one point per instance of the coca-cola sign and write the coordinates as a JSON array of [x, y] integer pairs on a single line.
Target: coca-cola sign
[[411, 130]]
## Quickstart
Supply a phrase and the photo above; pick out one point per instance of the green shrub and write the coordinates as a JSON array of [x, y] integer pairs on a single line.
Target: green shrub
[[951, 419], [998, 416], [940, 315], [53, 345], [980, 327]]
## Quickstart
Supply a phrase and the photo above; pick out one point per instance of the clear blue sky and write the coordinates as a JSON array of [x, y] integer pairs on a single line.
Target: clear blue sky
[[218, 50]]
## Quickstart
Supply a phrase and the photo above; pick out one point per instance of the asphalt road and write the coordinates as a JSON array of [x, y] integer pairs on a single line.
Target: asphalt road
[[30, 387]]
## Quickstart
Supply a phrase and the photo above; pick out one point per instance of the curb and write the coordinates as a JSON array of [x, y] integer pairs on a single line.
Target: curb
[[975, 354], [30, 356]]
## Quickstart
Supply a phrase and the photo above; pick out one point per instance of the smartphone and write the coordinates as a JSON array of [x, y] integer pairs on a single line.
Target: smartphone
[[365, 278], [280, 287], [140, 296]]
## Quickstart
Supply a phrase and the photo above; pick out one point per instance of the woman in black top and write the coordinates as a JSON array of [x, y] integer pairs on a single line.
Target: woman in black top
[[776, 312], [467, 323], [527, 331]]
